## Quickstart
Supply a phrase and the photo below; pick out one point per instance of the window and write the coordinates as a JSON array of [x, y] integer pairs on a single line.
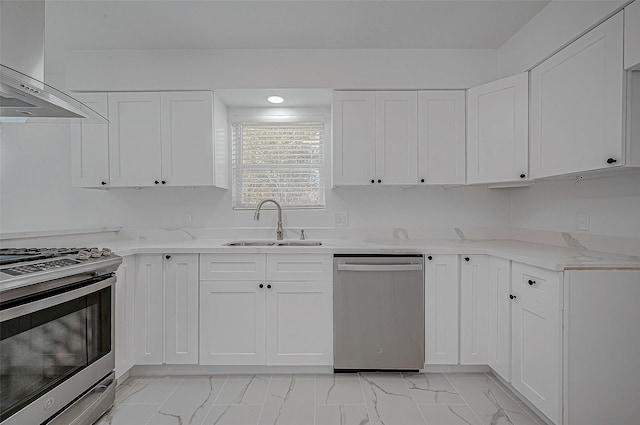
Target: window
[[278, 160]]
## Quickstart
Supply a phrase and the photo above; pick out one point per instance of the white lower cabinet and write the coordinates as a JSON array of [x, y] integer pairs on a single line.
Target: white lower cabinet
[[474, 309], [284, 316], [441, 309], [166, 309], [499, 319], [537, 337], [124, 315]]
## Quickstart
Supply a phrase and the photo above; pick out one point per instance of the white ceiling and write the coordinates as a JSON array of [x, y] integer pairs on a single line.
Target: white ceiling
[[292, 24]]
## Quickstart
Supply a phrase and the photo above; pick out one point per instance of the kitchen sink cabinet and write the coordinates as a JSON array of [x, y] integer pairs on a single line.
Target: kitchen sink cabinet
[[153, 139], [441, 309], [90, 145], [272, 309], [632, 36], [497, 131], [499, 320], [577, 105], [166, 309], [441, 137], [125, 315], [474, 309]]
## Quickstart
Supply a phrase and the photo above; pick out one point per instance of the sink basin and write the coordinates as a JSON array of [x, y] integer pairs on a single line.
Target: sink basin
[[274, 243]]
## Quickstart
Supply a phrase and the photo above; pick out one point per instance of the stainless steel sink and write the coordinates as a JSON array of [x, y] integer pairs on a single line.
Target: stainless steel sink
[[273, 243]]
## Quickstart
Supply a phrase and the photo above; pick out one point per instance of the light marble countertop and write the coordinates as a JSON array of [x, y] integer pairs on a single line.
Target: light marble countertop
[[545, 256]]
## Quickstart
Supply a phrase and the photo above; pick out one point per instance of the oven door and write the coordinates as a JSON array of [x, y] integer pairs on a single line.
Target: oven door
[[54, 347]]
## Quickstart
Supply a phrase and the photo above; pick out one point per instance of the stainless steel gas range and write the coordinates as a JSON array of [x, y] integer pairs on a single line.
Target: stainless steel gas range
[[56, 335]]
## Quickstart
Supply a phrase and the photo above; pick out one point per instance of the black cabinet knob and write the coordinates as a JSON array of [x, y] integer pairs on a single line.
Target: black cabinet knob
[[511, 296], [167, 256], [103, 183], [373, 181], [522, 176], [467, 258], [429, 258], [261, 286], [157, 182], [611, 161], [268, 286], [421, 180], [531, 282], [379, 181], [164, 182]]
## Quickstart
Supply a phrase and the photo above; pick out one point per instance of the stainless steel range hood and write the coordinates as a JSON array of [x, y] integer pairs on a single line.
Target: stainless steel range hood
[[23, 93]]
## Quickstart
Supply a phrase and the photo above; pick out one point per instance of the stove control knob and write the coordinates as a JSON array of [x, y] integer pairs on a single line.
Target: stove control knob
[[83, 255]]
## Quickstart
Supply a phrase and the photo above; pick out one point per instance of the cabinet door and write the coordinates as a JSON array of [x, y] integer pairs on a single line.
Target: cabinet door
[[232, 323], [577, 105], [537, 354], [90, 145], [497, 131], [397, 137], [149, 312], [441, 309], [300, 323], [354, 124], [474, 309], [441, 137], [124, 315], [181, 309], [187, 138], [134, 139], [632, 36], [499, 289]]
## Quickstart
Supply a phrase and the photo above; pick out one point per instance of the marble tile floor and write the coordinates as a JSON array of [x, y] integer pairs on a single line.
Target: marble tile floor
[[339, 399]]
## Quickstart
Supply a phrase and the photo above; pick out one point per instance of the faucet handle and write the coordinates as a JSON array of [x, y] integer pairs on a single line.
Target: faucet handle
[[302, 237]]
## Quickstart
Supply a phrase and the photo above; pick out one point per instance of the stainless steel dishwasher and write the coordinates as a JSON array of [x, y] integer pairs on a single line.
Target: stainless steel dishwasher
[[378, 312]]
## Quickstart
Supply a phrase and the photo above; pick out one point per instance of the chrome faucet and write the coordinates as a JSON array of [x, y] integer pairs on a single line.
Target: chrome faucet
[[256, 216]]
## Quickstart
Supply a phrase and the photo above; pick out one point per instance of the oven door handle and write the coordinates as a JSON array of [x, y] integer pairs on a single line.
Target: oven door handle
[[34, 306], [360, 267]]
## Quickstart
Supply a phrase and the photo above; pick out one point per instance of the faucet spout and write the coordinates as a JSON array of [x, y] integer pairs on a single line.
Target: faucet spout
[[256, 216]]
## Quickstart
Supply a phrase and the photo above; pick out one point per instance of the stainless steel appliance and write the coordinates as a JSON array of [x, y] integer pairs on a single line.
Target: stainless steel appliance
[[378, 310], [56, 335]]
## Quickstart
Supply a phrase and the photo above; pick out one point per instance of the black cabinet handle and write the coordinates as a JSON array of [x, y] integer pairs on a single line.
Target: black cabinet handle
[[531, 282], [268, 286], [373, 181], [261, 286], [421, 180], [164, 182], [167, 256], [522, 176], [103, 183], [429, 258], [157, 182], [511, 296], [467, 258], [611, 161], [379, 181]]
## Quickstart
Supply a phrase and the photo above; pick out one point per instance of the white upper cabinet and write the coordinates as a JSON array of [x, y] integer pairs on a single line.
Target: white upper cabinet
[[396, 137], [90, 145], [187, 135], [632, 36], [577, 98], [497, 128], [135, 153], [441, 137], [354, 126]]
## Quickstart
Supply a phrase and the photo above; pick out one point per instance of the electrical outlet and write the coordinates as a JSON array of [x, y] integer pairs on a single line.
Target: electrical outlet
[[582, 221], [341, 219]]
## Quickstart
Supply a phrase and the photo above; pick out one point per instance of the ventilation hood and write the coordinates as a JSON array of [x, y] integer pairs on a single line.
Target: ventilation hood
[[23, 93]]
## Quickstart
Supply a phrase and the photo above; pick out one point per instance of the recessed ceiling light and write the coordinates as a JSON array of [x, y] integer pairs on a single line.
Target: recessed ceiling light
[[275, 99]]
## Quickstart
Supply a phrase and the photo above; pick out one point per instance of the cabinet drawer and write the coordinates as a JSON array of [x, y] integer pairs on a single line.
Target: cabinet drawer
[[542, 285], [300, 267], [232, 266]]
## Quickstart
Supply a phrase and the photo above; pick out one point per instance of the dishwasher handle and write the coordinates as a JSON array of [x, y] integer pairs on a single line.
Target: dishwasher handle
[[361, 267]]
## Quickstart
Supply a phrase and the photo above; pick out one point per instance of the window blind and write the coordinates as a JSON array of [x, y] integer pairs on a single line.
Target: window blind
[[279, 160]]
